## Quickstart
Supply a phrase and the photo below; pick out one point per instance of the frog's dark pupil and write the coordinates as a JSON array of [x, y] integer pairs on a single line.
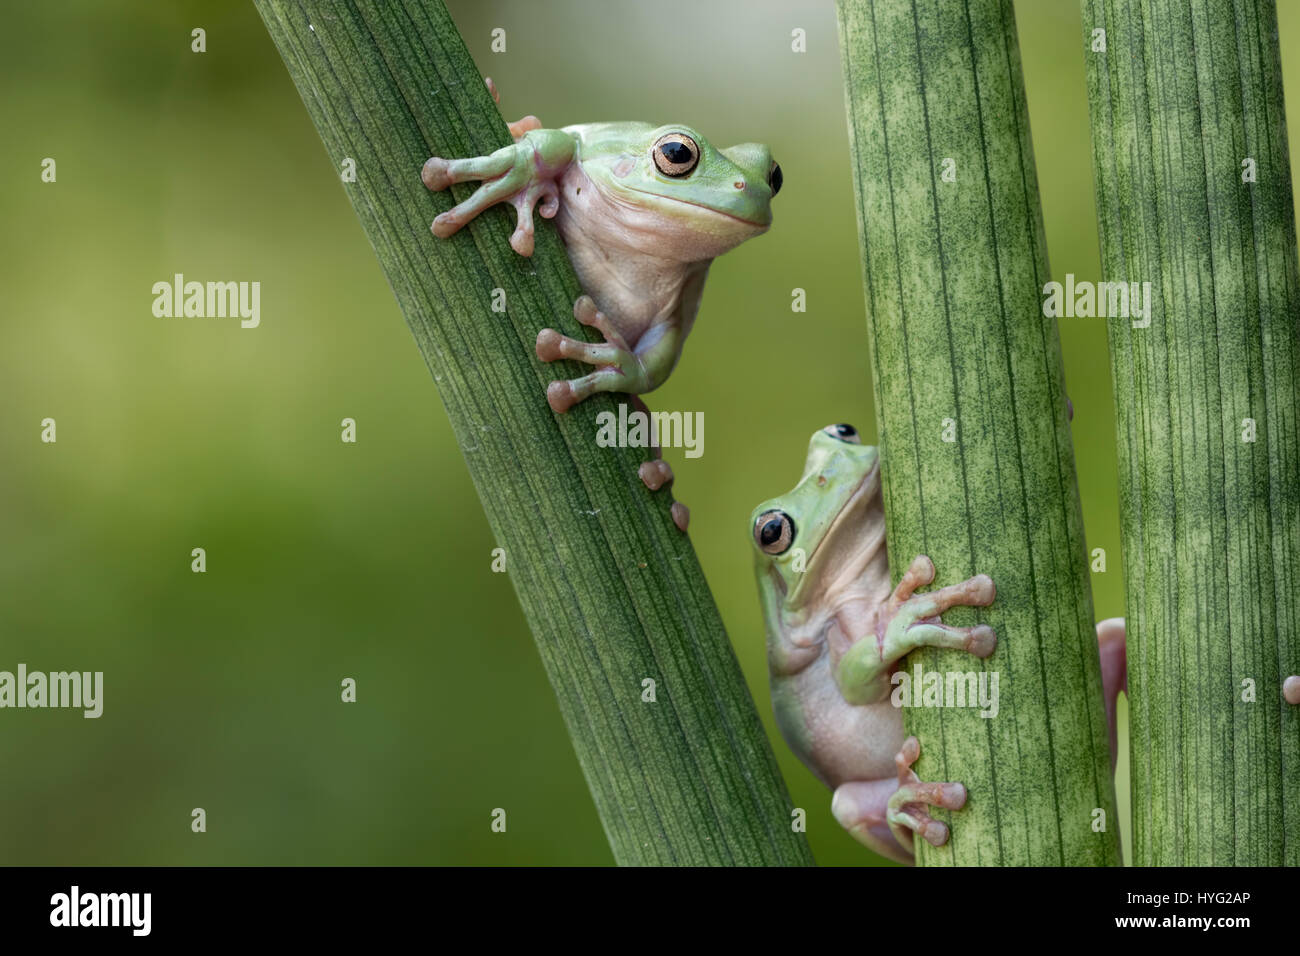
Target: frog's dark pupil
[[775, 179], [846, 431], [770, 533], [676, 153]]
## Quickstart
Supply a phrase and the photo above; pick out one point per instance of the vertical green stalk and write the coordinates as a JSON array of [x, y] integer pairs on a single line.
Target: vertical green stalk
[[613, 591], [971, 406], [1194, 196]]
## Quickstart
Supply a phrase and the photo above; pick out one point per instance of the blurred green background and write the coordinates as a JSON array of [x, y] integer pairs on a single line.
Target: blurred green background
[[371, 561]]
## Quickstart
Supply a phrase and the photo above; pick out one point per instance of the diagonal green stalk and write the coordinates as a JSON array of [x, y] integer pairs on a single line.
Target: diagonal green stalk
[[960, 348], [1186, 103], [613, 591]]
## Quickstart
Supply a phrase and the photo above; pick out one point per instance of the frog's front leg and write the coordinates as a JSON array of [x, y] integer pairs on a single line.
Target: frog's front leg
[[882, 815], [524, 174], [908, 620], [621, 368]]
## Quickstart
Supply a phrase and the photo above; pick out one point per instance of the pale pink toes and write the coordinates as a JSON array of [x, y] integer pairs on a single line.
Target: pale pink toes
[[681, 516], [655, 474], [559, 395], [548, 345], [1291, 689], [436, 175], [981, 641]]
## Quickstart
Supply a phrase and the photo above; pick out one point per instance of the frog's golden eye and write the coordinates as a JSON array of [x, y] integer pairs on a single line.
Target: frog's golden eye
[[774, 178], [676, 154], [774, 532], [845, 433]]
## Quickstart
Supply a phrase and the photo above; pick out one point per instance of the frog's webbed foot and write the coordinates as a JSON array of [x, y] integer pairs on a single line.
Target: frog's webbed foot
[[906, 621], [906, 812], [524, 175], [618, 367], [911, 620], [1291, 689]]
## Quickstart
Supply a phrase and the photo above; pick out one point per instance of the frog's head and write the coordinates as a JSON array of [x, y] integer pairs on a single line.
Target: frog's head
[[705, 200], [811, 541]]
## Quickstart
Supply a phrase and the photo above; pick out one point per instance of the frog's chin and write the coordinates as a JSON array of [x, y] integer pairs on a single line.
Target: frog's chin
[[843, 550], [670, 205], [758, 225]]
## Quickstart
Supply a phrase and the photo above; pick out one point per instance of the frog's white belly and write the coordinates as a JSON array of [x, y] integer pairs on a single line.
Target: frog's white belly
[[839, 741], [608, 241]]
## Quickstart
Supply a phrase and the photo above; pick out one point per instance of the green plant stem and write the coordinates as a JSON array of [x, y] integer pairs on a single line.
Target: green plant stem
[[1181, 95], [613, 591], [959, 344]]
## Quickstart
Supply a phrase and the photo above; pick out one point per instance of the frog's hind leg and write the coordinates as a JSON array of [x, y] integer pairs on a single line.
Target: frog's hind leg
[[613, 355], [883, 815], [656, 473], [906, 813], [862, 808], [622, 368]]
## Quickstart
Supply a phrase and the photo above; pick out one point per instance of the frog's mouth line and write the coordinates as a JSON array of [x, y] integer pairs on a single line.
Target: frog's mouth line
[[687, 202], [841, 517]]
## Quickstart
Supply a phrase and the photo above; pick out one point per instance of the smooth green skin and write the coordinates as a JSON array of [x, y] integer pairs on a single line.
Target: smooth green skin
[[611, 591], [1182, 95], [640, 240], [953, 275], [598, 147], [813, 506], [836, 630]]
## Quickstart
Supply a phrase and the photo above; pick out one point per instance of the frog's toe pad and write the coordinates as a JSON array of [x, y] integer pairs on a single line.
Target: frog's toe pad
[[1291, 689], [548, 347], [981, 640], [446, 224], [655, 474], [681, 516], [935, 833], [524, 125], [559, 395], [521, 240], [980, 591], [436, 173]]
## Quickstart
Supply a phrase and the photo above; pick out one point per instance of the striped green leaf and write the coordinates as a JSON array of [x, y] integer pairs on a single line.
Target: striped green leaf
[[613, 591], [954, 260], [1194, 197]]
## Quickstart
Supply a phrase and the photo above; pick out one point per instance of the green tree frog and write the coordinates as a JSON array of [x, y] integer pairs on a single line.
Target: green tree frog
[[836, 632], [643, 210]]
